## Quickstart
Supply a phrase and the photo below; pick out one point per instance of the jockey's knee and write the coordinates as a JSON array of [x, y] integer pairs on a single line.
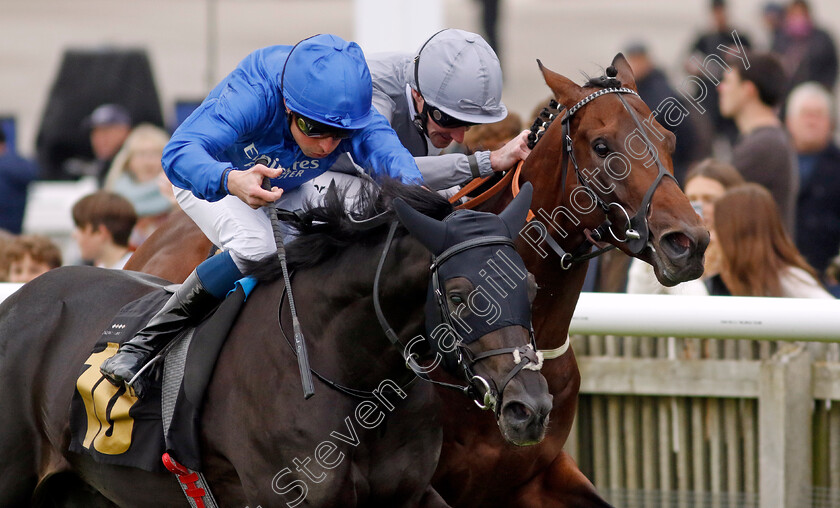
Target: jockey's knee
[[246, 253]]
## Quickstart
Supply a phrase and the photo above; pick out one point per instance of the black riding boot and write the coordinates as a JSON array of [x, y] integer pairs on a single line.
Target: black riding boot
[[189, 305]]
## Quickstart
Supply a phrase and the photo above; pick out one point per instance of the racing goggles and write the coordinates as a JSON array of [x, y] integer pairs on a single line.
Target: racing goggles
[[312, 129], [444, 120]]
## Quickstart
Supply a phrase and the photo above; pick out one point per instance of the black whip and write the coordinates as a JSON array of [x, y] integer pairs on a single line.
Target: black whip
[[300, 344]]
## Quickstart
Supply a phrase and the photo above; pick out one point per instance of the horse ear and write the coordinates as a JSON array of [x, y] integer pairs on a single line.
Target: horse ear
[[517, 211], [565, 90], [625, 72], [428, 231]]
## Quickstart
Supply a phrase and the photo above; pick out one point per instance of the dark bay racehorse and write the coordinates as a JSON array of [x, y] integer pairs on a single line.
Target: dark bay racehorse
[[262, 442], [477, 468]]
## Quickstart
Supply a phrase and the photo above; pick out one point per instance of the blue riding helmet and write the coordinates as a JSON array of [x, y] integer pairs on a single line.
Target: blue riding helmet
[[326, 79]]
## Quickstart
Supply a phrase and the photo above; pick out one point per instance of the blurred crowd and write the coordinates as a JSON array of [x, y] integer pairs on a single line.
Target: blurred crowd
[[134, 197], [757, 157], [761, 165]]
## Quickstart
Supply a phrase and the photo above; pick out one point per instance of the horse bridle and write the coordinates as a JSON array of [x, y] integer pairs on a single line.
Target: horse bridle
[[637, 231], [477, 388]]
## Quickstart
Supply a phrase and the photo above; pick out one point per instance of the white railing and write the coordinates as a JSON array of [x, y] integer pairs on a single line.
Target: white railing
[[711, 317], [7, 288], [664, 410]]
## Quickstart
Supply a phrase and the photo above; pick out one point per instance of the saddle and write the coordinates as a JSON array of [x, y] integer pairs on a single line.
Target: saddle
[[114, 427]]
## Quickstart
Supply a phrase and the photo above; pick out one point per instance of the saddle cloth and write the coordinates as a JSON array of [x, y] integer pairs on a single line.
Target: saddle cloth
[[116, 428]]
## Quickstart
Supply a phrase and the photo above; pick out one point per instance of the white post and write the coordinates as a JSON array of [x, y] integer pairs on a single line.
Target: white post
[[784, 436], [396, 25]]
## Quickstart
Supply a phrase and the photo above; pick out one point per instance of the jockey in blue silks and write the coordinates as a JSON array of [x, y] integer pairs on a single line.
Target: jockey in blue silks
[[301, 107]]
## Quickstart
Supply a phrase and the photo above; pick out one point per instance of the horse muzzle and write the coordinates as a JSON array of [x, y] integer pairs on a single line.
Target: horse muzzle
[[524, 415], [677, 255]]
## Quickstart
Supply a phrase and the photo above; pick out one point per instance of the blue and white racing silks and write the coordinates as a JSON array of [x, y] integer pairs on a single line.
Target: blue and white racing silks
[[243, 117]]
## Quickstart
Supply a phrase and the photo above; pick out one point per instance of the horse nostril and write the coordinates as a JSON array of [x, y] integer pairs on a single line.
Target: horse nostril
[[678, 244], [518, 412]]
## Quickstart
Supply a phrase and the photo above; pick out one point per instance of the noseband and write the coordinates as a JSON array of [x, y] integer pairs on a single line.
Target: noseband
[[476, 387]]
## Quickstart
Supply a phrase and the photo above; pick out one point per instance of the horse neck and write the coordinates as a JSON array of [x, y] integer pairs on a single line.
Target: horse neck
[[559, 289], [556, 299], [339, 311]]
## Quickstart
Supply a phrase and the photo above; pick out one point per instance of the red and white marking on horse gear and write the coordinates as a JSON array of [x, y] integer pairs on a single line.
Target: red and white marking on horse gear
[[192, 482]]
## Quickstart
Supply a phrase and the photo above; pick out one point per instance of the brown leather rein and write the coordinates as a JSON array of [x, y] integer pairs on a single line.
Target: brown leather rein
[[511, 178]]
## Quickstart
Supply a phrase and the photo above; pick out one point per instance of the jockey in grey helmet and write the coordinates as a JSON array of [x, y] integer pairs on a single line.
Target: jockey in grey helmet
[[433, 96]]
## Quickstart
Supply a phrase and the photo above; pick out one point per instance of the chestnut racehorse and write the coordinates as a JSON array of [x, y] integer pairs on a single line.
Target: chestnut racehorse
[[617, 166]]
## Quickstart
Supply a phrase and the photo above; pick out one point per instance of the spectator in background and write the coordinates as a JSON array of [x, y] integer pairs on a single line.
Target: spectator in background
[[704, 184], [490, 22], [29, 256], [832, 277], [758, 255], [653, 88], [136, 174], [15, 175], [810, 122], [707, 44], [104, 222], [773, 15], [807, 52], [109, 126], [6, 239], [764, 153]]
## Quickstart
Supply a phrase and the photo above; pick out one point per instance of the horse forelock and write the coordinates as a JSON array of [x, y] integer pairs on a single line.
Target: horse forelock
[[602, 81], [326, 229]]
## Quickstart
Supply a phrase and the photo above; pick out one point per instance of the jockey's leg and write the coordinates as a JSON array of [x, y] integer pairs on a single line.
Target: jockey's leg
[[200, 293], [244, 234]]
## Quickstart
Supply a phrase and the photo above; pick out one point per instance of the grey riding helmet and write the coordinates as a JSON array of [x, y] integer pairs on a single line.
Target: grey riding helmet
[[459, 73]]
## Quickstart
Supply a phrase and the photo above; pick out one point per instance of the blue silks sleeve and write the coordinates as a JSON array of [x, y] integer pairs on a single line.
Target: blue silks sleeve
[[193, 159], [377, 148]]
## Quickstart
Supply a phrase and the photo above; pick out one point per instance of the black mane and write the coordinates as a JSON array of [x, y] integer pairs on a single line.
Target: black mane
[[326, 229]]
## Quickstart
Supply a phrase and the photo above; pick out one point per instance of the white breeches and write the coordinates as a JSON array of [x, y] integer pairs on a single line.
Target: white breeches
[[234, 226]]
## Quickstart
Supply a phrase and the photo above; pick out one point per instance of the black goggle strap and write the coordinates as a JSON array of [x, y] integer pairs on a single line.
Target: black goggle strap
[[417, 61], [283, 72], [423, 116]]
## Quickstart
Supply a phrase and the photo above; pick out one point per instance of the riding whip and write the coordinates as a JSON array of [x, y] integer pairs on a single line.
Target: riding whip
[[300, 344]]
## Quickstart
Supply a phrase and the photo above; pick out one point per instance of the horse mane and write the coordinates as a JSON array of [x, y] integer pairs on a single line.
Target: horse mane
[[326, 229], [603, 81]]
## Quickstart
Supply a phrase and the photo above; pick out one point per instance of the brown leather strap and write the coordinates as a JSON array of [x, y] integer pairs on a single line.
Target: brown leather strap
[[514, 186], [466, 189], [484, 196], [511, 177]]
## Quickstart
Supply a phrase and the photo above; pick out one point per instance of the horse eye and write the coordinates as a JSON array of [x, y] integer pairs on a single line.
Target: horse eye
[[456, 299], [601, 149]]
